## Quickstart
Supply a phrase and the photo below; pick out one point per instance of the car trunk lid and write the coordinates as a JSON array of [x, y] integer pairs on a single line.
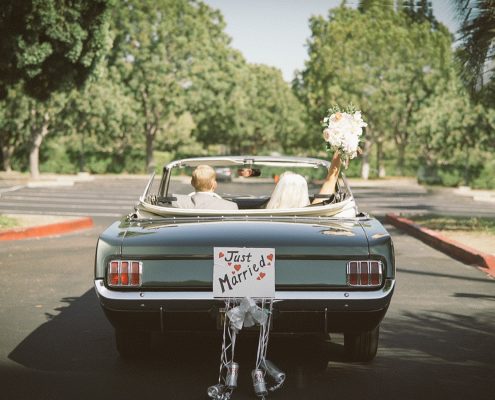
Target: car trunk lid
[[308, 253]]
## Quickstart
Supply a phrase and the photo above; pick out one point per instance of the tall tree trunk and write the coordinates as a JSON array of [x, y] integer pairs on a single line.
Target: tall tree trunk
[[37, 136], [380, 168], [401, 155], [150, 130], [82, 153], [7, 152], [365, 165], [150, 159]]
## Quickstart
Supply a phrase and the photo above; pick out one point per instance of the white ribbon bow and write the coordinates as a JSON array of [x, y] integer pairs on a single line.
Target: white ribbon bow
[[247, 314]]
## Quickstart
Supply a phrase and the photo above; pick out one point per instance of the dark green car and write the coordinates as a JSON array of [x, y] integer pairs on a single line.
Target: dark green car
[[335, 268]]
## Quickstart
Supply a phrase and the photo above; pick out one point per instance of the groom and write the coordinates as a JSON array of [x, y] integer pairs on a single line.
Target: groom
[[204, 182]]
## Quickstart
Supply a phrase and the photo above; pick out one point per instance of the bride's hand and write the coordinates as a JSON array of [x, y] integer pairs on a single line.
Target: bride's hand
[[336, 161]]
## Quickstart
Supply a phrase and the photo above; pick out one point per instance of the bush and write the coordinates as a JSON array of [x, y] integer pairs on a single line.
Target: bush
[[450, 177], [486, 178], [56, 158], [161, 159]]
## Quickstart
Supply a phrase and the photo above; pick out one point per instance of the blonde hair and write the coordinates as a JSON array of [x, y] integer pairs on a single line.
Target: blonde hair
[[291, 192], [203, 178]]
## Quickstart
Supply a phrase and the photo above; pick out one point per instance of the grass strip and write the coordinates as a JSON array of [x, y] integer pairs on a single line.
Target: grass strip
[[454, 223], [8, 222]]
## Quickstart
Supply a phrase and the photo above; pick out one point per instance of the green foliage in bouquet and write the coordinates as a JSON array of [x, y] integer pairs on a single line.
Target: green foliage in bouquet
[[349, 109]]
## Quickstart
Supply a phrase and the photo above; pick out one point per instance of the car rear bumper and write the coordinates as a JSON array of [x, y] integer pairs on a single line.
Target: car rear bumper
[[294, 311]]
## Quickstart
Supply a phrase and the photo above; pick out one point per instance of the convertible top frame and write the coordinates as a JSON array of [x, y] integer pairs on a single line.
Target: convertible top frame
[[346, 208]]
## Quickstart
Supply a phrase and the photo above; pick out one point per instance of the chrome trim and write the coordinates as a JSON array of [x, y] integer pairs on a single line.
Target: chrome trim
[[148, 186], [119, 273], [140, 296], [242, 160], [358, 269]]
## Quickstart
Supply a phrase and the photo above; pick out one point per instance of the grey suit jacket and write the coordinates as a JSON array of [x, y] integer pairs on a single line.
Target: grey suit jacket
[[205, 201]]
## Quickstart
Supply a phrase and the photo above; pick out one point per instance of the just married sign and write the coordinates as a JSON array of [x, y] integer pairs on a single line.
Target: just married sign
[[243, 272]]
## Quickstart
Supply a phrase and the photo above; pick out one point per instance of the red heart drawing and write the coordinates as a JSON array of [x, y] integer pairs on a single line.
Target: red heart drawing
[[237, 267], [262, 275], [270, 257], [233, 272], [220, 254], [229, 264]]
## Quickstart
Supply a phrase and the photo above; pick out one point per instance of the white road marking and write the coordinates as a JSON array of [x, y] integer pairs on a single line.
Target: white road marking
[[11, 189], [61, 199]]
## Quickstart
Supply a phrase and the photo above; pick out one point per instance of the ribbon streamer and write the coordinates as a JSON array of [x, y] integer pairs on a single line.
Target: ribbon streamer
[[246, 314]]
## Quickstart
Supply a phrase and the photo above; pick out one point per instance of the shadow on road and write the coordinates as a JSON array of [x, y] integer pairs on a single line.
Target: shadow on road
[[72, 356]]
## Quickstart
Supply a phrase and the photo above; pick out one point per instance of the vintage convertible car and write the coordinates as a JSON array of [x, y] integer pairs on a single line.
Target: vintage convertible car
[[335, 268]]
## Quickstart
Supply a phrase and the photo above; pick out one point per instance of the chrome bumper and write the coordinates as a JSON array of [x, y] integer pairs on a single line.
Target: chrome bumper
[[285, 300]]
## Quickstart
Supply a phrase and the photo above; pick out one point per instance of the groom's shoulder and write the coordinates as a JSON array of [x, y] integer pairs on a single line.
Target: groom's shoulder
[[227, 204]]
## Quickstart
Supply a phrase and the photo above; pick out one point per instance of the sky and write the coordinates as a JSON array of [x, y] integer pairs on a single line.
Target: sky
[[274, 32]]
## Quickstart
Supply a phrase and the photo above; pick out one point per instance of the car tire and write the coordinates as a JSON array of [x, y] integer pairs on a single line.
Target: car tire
[[132, 344], [361, 346]]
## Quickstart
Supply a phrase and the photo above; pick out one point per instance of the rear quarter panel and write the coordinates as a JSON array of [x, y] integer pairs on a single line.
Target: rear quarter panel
[[109, 245], [380, 244]]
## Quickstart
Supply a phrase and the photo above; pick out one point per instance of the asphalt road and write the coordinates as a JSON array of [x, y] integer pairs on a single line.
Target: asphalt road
[[437, 340]]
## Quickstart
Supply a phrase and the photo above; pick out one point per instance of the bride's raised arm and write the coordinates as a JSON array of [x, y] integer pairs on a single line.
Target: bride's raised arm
[[328, 186]]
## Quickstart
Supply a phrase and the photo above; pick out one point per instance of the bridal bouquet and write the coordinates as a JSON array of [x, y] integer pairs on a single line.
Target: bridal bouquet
[[343, 130]]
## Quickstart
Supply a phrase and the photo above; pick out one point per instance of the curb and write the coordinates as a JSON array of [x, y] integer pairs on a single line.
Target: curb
[[448, 246], [47, 230]]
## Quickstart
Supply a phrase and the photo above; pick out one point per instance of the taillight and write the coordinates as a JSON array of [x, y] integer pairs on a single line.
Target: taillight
[[123, 273], [135, 274], [113, 273], [364, 273], [353, 273]]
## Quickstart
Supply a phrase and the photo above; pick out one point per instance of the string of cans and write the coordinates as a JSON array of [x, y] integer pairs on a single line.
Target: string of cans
[[245, 313]]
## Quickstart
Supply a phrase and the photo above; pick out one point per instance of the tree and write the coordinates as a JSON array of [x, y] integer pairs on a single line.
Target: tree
[[257, 113], [14, 119], [160, 50], [448, 130], [41, 120], [371, 58], [24, 124], [101, 122], [49, 45], [275, 115], [477, 36]]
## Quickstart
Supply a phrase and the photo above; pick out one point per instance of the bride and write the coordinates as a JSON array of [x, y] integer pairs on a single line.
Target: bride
[[292, 189]]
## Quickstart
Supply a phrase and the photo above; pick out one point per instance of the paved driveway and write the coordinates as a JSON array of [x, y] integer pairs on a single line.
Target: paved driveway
[[55, 343]]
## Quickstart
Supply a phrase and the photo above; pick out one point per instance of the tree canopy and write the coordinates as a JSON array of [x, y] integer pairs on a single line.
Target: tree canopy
[[477, 36], [51, 44], [370, 57]]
